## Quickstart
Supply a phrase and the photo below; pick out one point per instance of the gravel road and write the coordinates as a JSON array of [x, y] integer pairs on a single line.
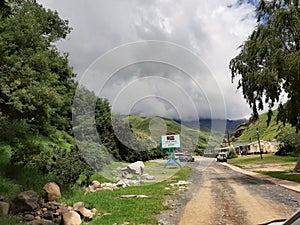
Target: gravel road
[[219, 195]]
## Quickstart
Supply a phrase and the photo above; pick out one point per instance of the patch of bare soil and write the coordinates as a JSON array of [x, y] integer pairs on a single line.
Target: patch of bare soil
[[221, 196]]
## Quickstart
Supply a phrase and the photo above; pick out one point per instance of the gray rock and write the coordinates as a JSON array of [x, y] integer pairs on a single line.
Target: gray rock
[[29, 217], [121, 183], [148, 177], [78, 205], [4, 208], [86, 213], [127, 175], [96, 184], [26, 201], [71, 218], [94, 211], [132, 182], [52, 191], [136, 168]]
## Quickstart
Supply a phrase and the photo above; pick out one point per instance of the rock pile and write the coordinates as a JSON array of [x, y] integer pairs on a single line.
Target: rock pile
[[58, 213], [97, 186], [39, 210], [128, 178]]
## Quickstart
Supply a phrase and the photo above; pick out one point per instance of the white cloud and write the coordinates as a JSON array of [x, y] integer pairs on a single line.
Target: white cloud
[[212, 30]]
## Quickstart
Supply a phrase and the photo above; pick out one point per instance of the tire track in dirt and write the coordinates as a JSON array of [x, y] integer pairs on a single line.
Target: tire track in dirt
[[223, 199], [229, 211], [200, 209]]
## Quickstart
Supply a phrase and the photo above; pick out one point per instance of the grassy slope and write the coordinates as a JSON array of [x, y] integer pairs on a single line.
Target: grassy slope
[[267, 159], [243, 162], [16, 178], [112, 208], [133, 211], [266, 132], [188, 135]]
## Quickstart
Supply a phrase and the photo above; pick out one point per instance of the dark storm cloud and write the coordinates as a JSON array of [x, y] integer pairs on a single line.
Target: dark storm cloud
[[209, 29]]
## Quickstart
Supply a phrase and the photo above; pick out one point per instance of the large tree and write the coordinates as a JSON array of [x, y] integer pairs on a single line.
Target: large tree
[[268, 65], [35, 79]]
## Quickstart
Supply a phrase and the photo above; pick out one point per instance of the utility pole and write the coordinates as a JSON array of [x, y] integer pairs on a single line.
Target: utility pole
[[228, 138], [260, 152]]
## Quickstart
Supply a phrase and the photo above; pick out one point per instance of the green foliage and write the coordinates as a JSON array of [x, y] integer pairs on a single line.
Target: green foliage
[[291, 142], [35, 78], [231, 154], [269, 60], [95, 154], [67, 166]]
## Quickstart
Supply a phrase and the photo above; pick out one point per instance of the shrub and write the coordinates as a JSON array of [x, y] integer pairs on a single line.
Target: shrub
[[231, 154], [67, 166]]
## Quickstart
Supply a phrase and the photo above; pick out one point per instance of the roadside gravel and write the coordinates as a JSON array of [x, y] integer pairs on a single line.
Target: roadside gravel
[[219, 195]]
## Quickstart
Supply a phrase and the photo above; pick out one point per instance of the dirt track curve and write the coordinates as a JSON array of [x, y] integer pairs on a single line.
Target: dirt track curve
[[221, 196]]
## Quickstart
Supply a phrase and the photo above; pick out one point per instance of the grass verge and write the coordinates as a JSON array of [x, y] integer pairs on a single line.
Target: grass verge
[[267, 159], [134, 211], [108, 203], [284, 175]]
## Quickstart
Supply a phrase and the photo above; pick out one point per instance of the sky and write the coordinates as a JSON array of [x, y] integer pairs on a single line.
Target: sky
[[160, 57]]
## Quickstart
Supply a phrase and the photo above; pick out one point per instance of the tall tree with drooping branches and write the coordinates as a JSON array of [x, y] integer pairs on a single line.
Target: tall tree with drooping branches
[[268, 65]]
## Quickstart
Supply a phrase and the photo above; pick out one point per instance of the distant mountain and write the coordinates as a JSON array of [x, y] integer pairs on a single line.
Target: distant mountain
[[205, 124]]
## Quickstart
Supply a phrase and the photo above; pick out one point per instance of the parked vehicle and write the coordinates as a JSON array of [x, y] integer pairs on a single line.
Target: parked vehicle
[[186, 158], [221, 157]]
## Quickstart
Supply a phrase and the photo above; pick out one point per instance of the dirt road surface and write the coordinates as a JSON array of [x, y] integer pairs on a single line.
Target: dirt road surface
[[221, 196]]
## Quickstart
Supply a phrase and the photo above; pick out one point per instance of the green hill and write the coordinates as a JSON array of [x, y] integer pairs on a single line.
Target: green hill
[[153, 128], [267, 132]]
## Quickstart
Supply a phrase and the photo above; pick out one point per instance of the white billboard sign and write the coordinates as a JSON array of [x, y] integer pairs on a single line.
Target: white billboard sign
[[170, 141]]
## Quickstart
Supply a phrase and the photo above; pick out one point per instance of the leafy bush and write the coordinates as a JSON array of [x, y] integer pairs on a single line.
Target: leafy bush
[[291, 142], [27, 177], [231, 154], [67, 166]]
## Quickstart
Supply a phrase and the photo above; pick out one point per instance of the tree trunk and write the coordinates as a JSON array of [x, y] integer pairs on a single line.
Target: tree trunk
[[297, 167]]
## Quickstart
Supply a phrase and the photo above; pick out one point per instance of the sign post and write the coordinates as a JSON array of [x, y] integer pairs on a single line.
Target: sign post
[[171, 142]]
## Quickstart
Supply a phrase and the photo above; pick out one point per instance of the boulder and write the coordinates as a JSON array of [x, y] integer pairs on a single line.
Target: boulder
[[52, 191], [96, 184], [4, 208], [29, 217], [127, 175], [121, 183], [136, 168], [133, 182], [86, 213], [94, 211], [71, 218], [78, 205], [148, 177], [26, 201]]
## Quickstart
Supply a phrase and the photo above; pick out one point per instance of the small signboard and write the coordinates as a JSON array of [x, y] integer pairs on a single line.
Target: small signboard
[[170, 141]]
